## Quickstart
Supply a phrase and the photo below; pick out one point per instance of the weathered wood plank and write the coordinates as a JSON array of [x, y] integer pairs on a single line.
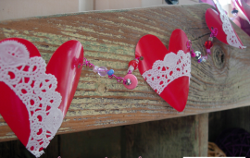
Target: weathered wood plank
[[15, 149], [224, 120], [177, 137], [95, 143], [168, 138], [109, 39]]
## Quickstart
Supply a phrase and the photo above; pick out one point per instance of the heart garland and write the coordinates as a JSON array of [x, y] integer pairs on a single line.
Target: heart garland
[[35, 98], [220, 21], [167, 71], [38, 97]]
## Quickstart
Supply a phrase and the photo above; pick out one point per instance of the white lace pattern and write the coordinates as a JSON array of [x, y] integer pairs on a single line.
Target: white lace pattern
[[227, 27], [164, 72], [36, 89]]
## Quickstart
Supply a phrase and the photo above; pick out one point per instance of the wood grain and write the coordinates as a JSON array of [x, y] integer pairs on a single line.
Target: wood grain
[[109, 39]]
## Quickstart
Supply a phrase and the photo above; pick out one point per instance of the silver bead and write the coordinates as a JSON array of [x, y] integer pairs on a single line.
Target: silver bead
[[128, 82], [197, 55]]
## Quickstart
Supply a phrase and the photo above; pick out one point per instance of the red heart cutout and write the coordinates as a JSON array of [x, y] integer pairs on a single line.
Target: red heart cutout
[[220, 20], [34, 102], [166, 71], [244, 8], [64, 66]]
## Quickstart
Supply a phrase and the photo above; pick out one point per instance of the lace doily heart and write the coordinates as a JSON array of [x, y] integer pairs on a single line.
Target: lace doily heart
[[219, 19], [35, 98], [167, 71]]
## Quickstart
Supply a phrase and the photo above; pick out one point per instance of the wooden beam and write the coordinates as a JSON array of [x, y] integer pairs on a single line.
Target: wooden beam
[[109, 39]]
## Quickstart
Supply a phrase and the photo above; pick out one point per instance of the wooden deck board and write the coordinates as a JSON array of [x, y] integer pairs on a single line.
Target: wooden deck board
[[109, 39]]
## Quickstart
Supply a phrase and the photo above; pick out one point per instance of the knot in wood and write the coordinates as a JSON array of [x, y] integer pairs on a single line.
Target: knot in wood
[[219, 57]]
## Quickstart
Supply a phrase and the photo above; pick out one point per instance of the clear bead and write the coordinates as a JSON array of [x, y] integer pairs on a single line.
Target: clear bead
[[102, 71], [95, 69], [131, 69], [210, 38], [204, 59]]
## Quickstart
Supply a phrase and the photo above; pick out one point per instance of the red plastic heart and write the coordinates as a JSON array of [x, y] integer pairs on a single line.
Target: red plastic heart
[[153, 52], [244, 8], [242, 18], [220, 21], [63, 65]]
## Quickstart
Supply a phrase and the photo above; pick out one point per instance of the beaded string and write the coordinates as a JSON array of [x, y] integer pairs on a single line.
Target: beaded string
[[234, 11], [128, 80], [196, 54], [208, 45]]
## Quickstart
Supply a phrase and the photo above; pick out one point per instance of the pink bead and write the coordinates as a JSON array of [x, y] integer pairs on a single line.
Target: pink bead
[[133, 80], [193, 54], [208, 51]]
